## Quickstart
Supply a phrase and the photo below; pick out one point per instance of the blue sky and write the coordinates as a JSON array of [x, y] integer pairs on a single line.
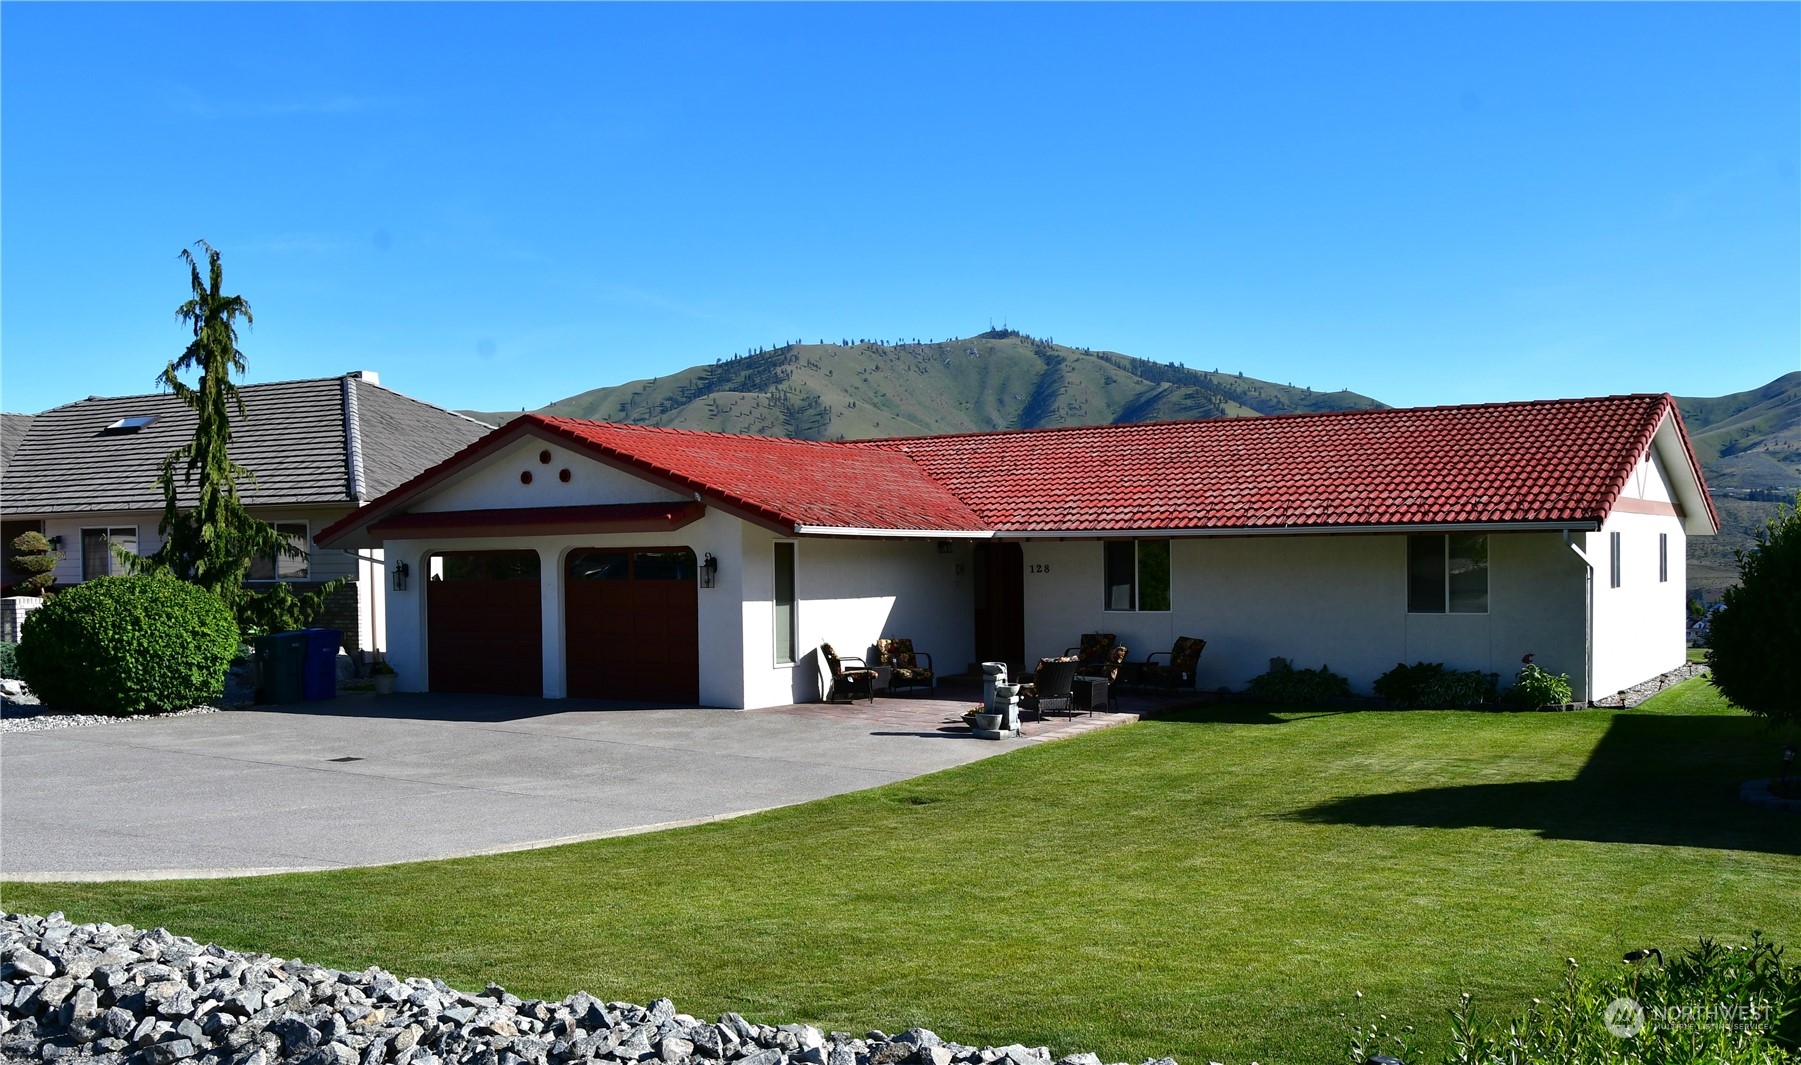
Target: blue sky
[[497, 206]]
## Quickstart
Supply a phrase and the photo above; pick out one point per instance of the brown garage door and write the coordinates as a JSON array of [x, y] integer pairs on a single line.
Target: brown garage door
[[632, 624], [482, 621]]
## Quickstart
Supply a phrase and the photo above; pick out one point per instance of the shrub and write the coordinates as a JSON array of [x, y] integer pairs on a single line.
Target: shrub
[[32, 555], [1430, 686], [1713, 1005], [1533, 687], [1298, 687], [1752, 638], [125, 645], [9, 660]]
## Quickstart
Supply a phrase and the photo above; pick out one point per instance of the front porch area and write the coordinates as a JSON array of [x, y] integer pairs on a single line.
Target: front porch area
[[939, 712]]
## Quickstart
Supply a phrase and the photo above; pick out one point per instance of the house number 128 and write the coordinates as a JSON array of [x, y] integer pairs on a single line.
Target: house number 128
[[1040, 567]]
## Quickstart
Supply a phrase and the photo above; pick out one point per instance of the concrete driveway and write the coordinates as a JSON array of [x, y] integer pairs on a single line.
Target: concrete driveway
[[363, 781]]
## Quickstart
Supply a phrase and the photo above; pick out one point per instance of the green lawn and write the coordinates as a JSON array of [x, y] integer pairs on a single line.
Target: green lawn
[[1213, 886]]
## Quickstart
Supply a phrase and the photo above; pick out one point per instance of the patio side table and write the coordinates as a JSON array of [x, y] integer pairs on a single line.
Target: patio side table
[[1090, 692]]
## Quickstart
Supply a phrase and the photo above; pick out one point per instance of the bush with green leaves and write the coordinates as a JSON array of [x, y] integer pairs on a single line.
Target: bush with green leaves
[[32, 555], [1533, 687], [1713, 1005], [9, 660], [1752, 639], [1297, 687], [1430, 686], [128, 645]]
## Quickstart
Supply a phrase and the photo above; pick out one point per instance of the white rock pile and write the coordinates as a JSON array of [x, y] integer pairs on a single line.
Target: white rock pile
[[111, 993]]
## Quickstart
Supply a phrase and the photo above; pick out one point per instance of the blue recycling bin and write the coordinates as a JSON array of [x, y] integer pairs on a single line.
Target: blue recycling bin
[[319, 665]]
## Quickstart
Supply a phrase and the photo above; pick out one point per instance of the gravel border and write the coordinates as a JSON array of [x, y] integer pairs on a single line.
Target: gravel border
[[114, 995], [1638, 693]]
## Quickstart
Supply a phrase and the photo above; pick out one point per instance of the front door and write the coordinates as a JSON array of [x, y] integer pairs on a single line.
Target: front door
[[1000, 605], [632, 624]]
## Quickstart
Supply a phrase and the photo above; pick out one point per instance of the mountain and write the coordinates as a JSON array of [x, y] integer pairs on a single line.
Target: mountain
[[1002, 379], [1748, 440], [1749, 447]]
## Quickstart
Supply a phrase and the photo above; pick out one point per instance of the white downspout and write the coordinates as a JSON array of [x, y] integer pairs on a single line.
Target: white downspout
[[1588, 619]]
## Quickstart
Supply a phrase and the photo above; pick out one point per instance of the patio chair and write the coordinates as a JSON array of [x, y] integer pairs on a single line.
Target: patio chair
[[903, 661], [1109, 671], [846, 683], [1093, 651], [1052, 687], [1179, 670]]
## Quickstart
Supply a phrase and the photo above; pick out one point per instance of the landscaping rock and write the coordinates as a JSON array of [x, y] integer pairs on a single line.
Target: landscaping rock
[[101, 994]]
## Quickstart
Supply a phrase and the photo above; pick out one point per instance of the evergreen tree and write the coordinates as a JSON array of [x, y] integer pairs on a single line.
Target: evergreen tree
[[1752, 639], [213, 543], [33, 556]]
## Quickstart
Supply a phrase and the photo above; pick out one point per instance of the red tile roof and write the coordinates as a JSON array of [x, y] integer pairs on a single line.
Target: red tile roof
[[1551, 461], [789, 482], [1546, 461]]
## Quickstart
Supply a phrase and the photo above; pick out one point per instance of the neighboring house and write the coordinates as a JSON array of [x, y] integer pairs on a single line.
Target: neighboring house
[[85, 475], [570, 558]]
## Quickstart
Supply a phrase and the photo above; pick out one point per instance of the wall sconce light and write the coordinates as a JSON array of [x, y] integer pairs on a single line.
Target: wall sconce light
[[56, 543], [400, 572], [709, 570]]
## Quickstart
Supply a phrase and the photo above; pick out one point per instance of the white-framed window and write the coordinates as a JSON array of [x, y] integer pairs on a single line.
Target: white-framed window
[[1135, 575], [787, 631], [1663, 558], [1447, 573], [291, 565], [97, 558], [1613, 560]]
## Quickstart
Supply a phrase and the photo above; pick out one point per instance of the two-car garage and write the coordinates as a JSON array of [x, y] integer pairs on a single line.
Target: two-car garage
[[630, 623]]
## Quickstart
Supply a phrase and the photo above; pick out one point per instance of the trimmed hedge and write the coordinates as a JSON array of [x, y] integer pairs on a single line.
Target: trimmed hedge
[[128, 645], [9, 660]]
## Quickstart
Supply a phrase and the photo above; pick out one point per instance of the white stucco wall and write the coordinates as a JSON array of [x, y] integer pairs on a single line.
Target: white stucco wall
[[850, 593], [1316, 600], [494, 483], [1640, 628]]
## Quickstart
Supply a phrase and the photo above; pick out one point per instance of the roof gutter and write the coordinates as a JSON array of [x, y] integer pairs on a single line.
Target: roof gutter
[[896, 534], [1586, 525]]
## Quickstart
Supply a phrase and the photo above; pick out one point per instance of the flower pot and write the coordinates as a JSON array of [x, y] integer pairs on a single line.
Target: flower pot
[[985, 722], [384, 683]]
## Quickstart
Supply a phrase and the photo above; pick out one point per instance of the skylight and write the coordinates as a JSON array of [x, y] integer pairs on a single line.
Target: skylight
[[129, 425]]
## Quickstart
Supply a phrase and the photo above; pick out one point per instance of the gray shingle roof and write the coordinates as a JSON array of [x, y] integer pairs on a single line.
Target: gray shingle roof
[[291, 437], [12, 433]]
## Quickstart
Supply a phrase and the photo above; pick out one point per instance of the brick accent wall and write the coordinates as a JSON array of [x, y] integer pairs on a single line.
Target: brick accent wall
[[340, 612]]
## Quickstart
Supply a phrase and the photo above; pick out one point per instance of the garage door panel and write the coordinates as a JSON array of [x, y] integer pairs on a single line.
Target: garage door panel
[[484, 623], [633, 630]]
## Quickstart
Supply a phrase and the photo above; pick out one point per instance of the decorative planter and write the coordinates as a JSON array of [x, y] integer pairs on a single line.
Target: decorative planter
[[384, 683], [985, 722]]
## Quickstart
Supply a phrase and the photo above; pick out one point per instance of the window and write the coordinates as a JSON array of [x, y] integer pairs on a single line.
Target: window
[[1137, 575], [483, 566], [1663, 558], [97, 550], [1447, 573], [1613, 559], [785, 637], [285, 566]]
